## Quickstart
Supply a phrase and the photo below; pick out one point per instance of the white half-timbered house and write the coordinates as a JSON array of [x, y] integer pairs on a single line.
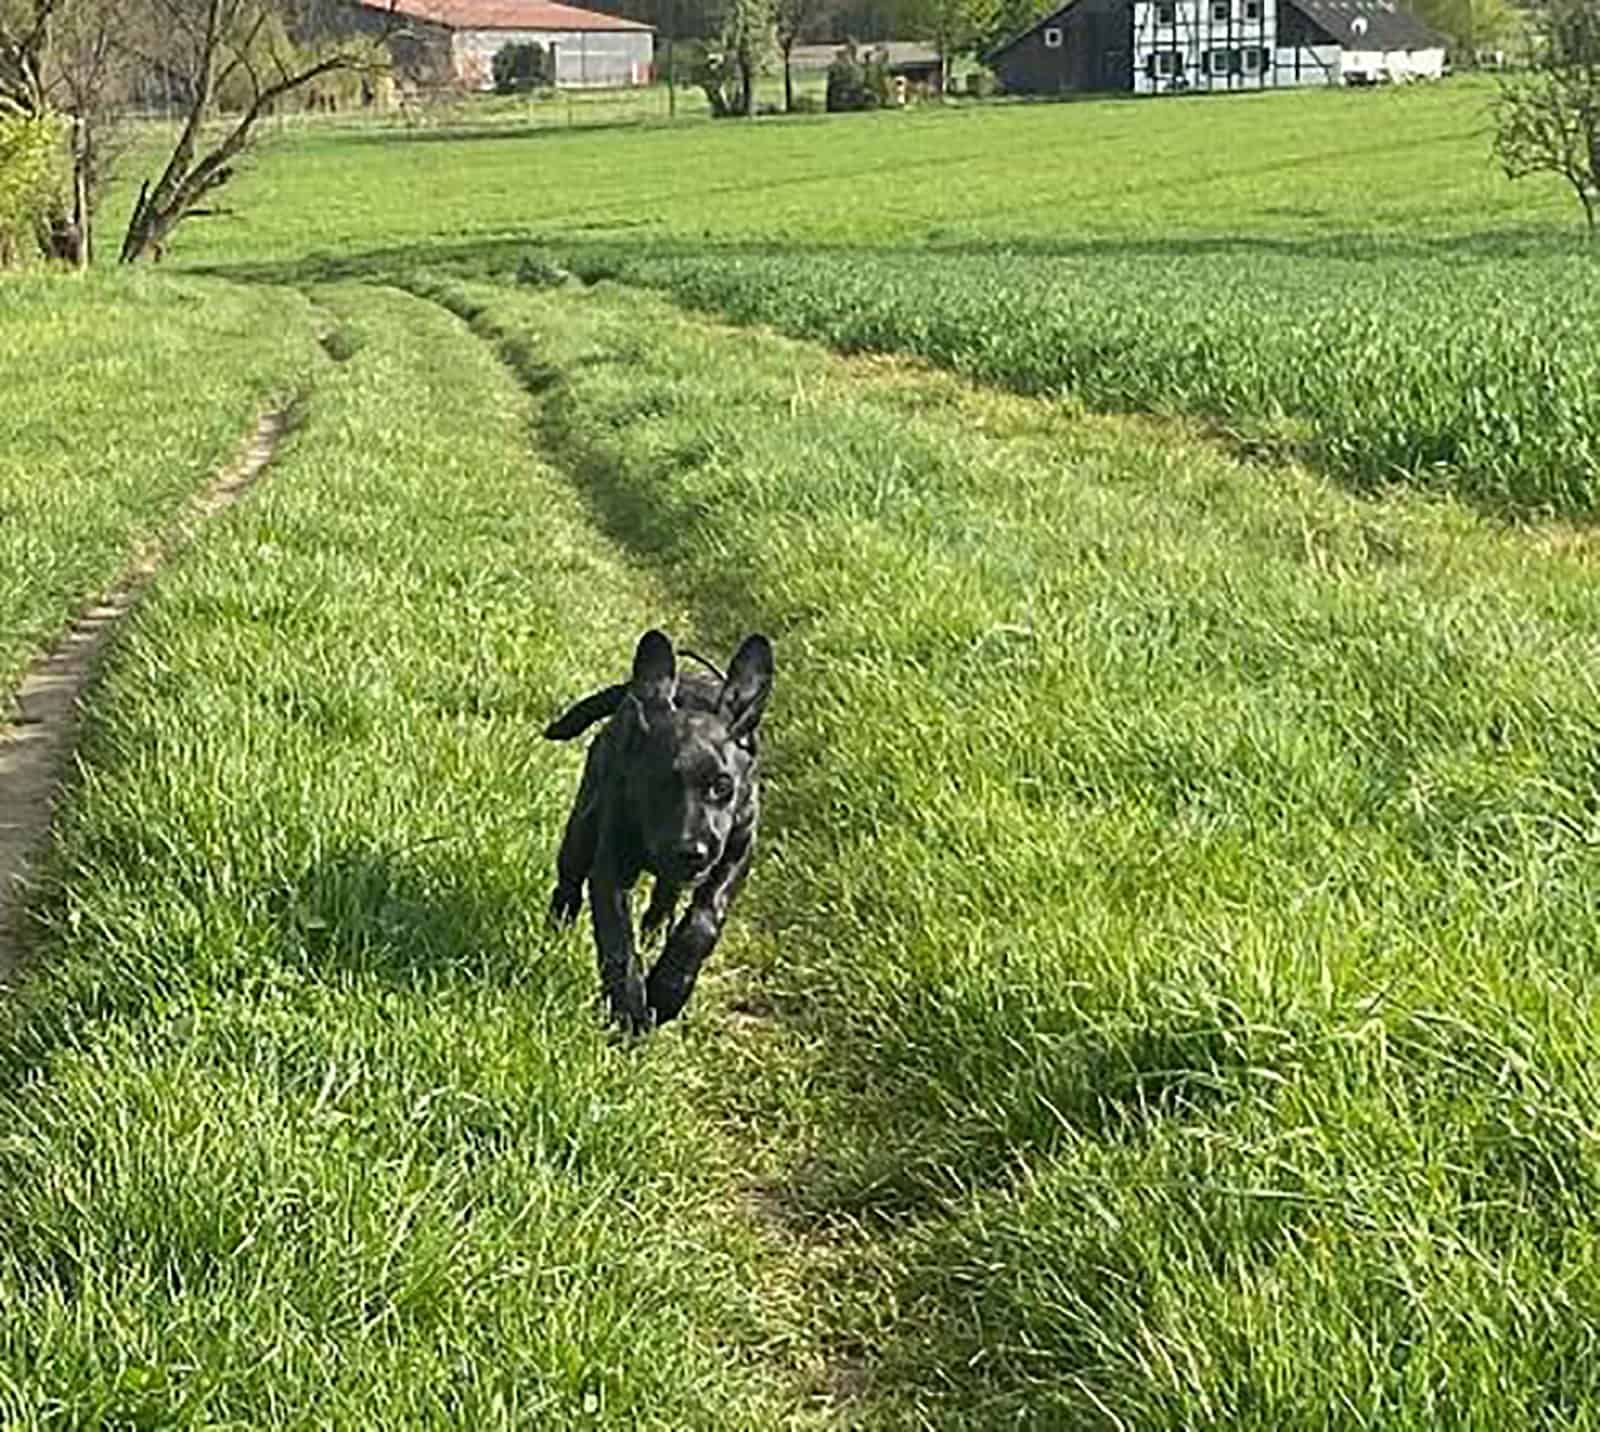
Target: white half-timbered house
[[1157, 47]]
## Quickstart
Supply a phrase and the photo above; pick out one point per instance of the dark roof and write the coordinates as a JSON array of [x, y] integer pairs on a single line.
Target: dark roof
[[1022, 35], [1369, 24], [898, 52]]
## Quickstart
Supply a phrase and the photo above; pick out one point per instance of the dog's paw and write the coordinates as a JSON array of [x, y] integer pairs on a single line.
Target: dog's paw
[[630, 1011], [565, 905]]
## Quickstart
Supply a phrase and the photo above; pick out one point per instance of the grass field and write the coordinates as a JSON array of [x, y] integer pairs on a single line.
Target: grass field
[[1403, 166], [1164, 994], [1343, 278], [119, 400]]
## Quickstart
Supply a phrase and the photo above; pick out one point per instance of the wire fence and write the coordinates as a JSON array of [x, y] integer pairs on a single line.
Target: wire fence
[[457, 110]]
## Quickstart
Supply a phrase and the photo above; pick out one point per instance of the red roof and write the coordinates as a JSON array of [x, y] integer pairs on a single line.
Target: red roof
[[507, 15]]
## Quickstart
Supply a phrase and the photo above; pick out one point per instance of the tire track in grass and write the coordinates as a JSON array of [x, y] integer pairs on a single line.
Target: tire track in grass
[[37, 746], [822, 1386]]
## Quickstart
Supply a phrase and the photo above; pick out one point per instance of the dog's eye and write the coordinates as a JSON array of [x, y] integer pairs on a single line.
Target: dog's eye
[[721, 788]]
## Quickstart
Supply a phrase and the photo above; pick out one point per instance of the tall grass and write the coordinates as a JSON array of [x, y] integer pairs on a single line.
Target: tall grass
[[1178, 894], [1165, 993], [1336, 276], [1461, 372]]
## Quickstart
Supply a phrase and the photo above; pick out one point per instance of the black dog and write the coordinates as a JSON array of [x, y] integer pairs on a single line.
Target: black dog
[[670, 787]]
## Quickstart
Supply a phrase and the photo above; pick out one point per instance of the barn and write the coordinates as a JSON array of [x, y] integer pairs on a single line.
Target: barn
[[460, 38], [1178, 46]]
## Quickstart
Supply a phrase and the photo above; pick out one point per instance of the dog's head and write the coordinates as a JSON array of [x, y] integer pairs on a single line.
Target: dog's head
[[691, 772]]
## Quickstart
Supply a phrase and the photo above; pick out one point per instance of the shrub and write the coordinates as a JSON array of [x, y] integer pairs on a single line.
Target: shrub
[[521, 67], [857, 81], [537, 270], [28, 150]]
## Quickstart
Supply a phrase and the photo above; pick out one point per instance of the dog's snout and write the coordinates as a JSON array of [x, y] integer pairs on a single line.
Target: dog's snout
[[694, 853]]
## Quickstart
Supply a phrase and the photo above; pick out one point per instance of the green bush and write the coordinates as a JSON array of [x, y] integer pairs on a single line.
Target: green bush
[[28, 150], [522, 67], [857, 81]]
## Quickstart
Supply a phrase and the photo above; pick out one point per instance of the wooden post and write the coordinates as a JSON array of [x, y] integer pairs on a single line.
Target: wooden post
[[672, 70], [80, 193]]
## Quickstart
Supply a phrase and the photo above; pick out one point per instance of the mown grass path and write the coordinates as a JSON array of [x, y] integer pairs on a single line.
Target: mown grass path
[[1177, 902]]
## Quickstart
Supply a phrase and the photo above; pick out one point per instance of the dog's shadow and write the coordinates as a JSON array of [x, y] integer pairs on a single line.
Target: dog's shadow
[[422, 916]]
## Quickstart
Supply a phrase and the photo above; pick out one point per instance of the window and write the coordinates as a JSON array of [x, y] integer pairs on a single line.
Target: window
[[1166, 14], [1217, 61], [1220, 12], [1164, 64], [1252, 9], [1052, 39], [1252, 61]]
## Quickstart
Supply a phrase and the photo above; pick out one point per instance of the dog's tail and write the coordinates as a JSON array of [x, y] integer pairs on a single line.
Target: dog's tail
[[581, 717]]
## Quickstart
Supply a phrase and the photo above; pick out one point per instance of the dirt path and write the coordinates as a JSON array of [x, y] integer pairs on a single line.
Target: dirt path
[[37, 744]]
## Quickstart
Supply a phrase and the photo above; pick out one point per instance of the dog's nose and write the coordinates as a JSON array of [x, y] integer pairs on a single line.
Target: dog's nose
[[694, 853]]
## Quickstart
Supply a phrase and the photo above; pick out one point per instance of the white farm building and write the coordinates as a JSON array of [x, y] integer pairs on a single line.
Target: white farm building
[[458, 40], [1181, 46]]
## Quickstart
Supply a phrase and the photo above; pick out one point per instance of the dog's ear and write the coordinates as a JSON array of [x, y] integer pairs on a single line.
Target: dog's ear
[[749, 683], [655, 675]]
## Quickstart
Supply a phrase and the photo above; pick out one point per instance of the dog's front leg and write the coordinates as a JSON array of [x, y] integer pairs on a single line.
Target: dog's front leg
[[620, 975], [575, 859], [662, 907], [695, 936]]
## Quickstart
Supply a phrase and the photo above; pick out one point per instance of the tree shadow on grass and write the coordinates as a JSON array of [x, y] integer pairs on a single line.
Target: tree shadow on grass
[[582, 246], [553, 128]]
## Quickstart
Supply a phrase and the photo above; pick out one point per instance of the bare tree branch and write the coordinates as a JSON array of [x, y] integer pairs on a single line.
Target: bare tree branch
[[1548, 121], [23, 52], [229, 51]]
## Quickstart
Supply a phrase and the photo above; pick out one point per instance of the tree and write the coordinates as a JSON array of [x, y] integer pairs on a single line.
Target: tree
[[24, 44], [55, 59], [791, 20], [81, 57], [726, 68], [1548, 120], [519, 68], [89, 74], [1471, 25], [857, 81], [1007, 19], [210, 46], [950, 26]]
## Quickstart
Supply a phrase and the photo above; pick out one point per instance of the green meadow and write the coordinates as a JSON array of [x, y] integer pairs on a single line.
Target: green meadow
[[119, 400], [1165, 991]]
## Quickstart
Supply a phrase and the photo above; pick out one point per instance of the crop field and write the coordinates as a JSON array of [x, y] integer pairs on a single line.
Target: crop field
[[1165, 993]]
